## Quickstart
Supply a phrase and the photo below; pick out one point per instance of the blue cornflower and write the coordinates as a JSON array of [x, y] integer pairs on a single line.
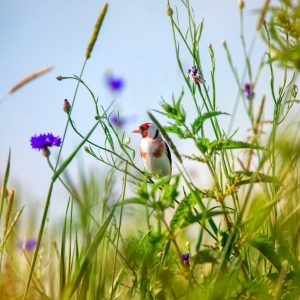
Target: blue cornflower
[[118, 121], [27, 244], [43, 141], [115, 84], [248, 91], [195, 75], [185, 258]]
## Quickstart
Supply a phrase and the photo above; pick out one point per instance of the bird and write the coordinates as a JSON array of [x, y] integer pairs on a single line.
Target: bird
[[154, 151]]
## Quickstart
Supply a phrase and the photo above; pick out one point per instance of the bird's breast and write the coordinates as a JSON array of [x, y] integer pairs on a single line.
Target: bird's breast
[[152, 149]]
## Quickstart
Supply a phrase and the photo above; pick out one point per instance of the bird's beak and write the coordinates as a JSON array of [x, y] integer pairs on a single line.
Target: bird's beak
[[138, 130]]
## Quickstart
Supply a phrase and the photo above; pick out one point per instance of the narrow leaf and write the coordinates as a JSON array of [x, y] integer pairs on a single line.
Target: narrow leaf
[[62, 254], [245, 177], [132, 201], [230, 144], [90, 254], [198, 123], [6, 176], [264, 245]]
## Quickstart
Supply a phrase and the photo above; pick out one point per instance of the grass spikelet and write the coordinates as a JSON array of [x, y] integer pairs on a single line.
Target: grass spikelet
[[11, 227], [262, 14], [29, 78], [8, 211], [96, 31]]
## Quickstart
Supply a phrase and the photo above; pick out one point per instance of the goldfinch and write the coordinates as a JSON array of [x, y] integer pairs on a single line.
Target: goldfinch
[[154, 150]]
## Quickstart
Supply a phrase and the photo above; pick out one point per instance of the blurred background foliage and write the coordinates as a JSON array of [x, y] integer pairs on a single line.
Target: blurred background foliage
[[284, 26]]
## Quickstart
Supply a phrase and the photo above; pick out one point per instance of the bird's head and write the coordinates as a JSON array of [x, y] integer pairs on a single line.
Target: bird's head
[[147, 130]]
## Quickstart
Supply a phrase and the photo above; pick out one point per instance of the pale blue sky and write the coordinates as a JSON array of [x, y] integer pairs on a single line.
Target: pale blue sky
[[135, 42]]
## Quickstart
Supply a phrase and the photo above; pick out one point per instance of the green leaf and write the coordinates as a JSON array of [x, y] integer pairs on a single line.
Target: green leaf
[[182, 211], [207, 256], [230, 144], [258, 213], [175, 111], [169, 193], [198, 123], [265, 246], [203, 144], [175, 129], [131, 201], [159, 183], [90, 254], [245, 177], [198, 217]]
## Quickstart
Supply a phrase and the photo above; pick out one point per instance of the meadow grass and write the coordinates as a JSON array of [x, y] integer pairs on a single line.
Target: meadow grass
[[249, 214]]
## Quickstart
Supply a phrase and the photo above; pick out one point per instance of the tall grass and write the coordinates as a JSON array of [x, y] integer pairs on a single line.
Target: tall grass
[[249, 214]]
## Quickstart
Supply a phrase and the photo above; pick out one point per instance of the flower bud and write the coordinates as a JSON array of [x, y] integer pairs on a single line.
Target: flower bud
[[223, 42], [169, 11], [160, 254], [46, 152], [209, 45], [241, 4], [59, 78], [97, 118], [67, 106], [127, 140]]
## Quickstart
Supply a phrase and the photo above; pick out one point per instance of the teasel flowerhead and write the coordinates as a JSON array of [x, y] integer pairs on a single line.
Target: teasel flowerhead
[[194, 74]]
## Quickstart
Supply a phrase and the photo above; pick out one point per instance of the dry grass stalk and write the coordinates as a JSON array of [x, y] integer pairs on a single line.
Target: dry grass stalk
[[29, 78], [11, 228], [8, 211]]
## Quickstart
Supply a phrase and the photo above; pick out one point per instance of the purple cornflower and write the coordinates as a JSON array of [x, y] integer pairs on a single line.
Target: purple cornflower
[[248, 91], [115, 84], [27, 245], [185, 259], [195, 75], [118, 121], [43, 141]]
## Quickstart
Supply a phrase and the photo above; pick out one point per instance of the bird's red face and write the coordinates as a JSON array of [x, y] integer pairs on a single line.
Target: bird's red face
[[143, 130]]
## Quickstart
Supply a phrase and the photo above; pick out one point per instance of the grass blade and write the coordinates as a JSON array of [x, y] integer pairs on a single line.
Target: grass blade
[[90, 254], [62, 254], [5, 181]]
